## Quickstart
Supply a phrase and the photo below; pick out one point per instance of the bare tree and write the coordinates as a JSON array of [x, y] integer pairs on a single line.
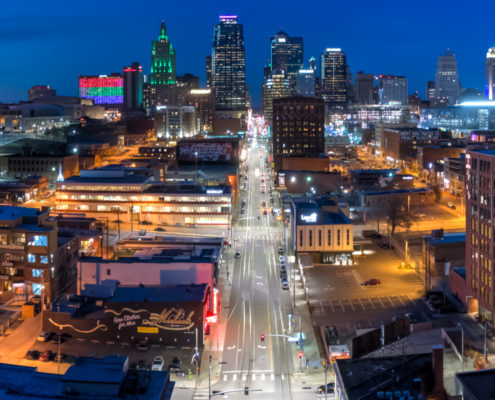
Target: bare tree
[[398, 214], [438, 192]]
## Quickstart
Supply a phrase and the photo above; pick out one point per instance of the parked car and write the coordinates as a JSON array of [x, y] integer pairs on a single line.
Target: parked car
[[47, 355], [285, 284], [158, 229], [193, 225], [178, 224], [142, 345], [157, 364], [281, 259], [44, 336], [32, 354], [329, 388], [175, 365], [280, 250], [451, 205], [237, 254], [142, 232], [372, 282], [145, 223]]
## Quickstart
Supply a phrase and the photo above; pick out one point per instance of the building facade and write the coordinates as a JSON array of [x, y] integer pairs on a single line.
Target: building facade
[[306, 82], [204, 102], [175, 122], [334, 77], [363, 88], [276, 86], [392, 89], [39, 91], [228, 69], [133, 86], [447, 86], [163, 72], [480, 246], [298, 128], [103, 89]]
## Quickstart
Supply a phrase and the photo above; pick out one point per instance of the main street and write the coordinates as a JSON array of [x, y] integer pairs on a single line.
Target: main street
[[258, 305]]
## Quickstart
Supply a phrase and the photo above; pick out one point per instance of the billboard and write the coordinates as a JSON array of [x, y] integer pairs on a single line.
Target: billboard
[[366, 343], [396, 330], [208, 151]]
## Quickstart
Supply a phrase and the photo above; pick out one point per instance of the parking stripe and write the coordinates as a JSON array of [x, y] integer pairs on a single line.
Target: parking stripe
[[362, 305], [234, 377], [225, 378]]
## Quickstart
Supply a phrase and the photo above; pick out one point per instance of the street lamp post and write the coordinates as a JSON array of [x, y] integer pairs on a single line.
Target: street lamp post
[[462, 345]]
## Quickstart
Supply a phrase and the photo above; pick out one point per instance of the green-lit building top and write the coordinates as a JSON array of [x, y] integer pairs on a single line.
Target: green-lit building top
[[163, 71]]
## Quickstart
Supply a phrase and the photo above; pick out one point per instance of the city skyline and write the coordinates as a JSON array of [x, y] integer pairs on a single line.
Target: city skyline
[[43, 34]]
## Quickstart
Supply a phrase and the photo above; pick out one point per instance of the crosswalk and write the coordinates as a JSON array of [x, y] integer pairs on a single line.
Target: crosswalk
[[200, 393]]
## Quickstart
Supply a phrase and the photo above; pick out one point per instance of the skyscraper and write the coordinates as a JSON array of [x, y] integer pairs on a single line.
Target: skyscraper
[[363, 88], [287, 56], [163, 71], [447, 87], [276, 85], [228, 68], [430, 91], [208, 71], [392, 89], [490, 74], [306, 82], [334, 77], [133, 86]]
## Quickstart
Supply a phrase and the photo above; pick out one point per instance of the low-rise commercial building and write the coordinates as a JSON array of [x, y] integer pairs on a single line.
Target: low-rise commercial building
[[32, 188], [120, 194], [383, 199], [307, 181], [322, 230]]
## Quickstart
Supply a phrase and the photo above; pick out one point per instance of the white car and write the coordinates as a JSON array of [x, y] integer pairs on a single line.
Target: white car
[[281, 259], [157, 364], [43, 336]]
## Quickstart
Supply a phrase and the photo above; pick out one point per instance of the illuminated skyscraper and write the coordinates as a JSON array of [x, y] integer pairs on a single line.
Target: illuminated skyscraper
[[287, 56], [102, 89], [306, 82], [447, 87], [392, 89], [490, 74], [229, 65], [334, 77], [133, 86], [275, 86], [162, 78]]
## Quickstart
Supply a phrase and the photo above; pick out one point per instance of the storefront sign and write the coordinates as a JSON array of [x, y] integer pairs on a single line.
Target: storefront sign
[[147, 329], [214, 191], [309, 218]]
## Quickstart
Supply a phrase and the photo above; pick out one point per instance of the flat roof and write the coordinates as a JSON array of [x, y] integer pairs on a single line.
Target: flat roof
[[13, 212], [162, 293], [128, 179], [400, 191], [456, 237], [489, 152], [101, 370], [478, 384]]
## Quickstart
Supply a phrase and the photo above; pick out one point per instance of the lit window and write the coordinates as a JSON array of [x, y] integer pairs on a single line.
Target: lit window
[[44, 259], [31, 258], [37, 273], [37, 240]]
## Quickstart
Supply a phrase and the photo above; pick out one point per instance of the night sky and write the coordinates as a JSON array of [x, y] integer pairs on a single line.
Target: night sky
[[53, 41]]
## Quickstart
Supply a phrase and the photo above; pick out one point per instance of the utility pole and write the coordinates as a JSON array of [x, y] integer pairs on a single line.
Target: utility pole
[[209, 378]]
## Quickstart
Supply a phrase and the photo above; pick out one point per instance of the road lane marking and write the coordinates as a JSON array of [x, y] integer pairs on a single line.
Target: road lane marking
[[381, 302], [253, 377], [262, 377], [225, 378], [362, 305], [272, 377], [282, 376], [371, 302], [234, 377]]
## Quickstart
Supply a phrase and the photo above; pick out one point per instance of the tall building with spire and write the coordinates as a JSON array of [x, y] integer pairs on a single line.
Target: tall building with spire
[[163, 73], [447, 87], [228, 65], [490, 74], [287, 56]]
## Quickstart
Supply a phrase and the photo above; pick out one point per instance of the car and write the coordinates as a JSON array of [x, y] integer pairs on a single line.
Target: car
[[142, 232], [281, 259], [280, 250], [386, 246], [157, 364], [272, 200], [263, 204], [285, 283], [372, 282], [329, 388], [175, 365], [420, 215], [243, 211], [32, 354], [158, 229], [43, 336], [58, 339], [178, 224], [142, 345], [45, 356], [193, 225], [265, 212], [141, 365], [283, 273], [237, 254], [225, 243], [367, 234], [145, 223], [451, 206], [60, 357]]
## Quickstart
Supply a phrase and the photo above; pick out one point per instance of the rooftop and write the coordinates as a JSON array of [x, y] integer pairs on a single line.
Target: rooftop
[[400, 191], [478, 384], [489, 152], [111, 369], [9, 213], [448, 238], [165, 294]]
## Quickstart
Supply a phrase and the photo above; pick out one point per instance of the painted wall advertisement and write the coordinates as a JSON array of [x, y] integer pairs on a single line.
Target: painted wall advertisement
[[126, 322], [208, 151]]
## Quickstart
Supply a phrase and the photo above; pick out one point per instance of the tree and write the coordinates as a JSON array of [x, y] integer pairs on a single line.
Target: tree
[[438, 192], [398, 214]]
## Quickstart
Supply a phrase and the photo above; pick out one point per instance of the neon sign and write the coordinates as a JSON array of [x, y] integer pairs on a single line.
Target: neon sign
[[309, 218]]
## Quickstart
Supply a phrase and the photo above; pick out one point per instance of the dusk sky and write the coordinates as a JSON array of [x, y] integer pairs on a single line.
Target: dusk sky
[[53, 41]]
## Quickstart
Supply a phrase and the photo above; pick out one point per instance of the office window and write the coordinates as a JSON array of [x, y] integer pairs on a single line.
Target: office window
[[329, 237], [31, 258], [108, 271], [311, 238], [319, 237], [43, 259], [38, 240], [348, 237], [300, 238], [338, 237], [37, 273]]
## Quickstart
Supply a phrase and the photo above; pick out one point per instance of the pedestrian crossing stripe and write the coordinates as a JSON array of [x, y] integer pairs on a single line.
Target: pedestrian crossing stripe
[[253, 376]]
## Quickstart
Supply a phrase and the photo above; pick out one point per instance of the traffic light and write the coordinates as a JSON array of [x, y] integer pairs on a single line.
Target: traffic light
[[246, 390], [262, 338], [300, 354]]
